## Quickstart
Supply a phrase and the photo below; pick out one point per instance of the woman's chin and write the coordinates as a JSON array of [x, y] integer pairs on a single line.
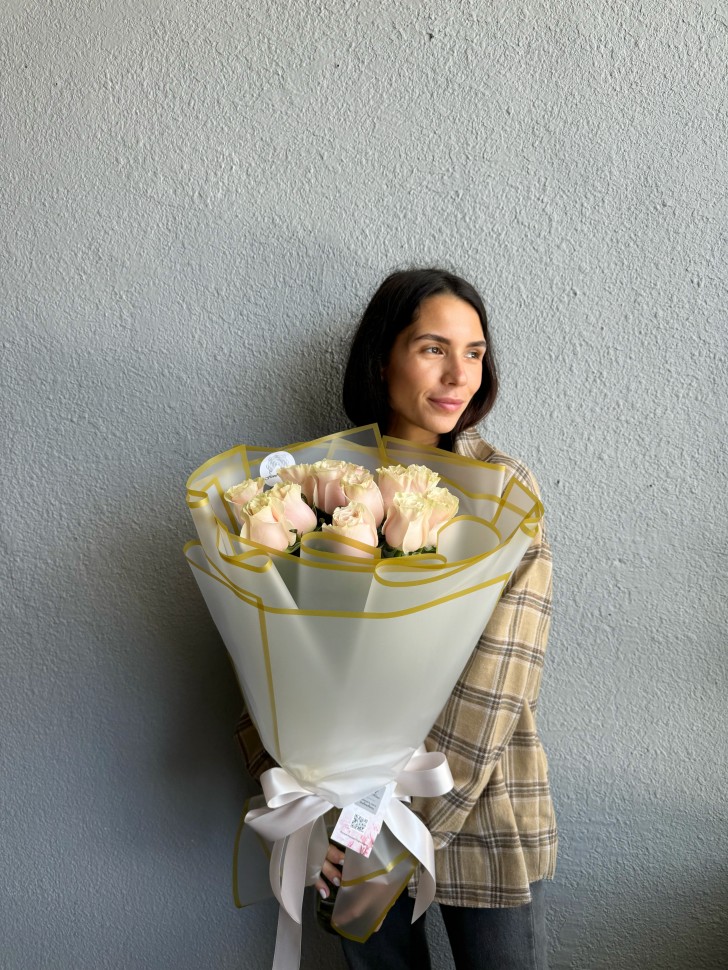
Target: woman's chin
[[444, 424], [426, 429]]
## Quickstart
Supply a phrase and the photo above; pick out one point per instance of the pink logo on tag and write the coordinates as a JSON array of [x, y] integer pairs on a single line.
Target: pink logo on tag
[[359, 824]]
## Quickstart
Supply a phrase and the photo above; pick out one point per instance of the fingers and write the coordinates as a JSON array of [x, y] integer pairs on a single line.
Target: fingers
[[335, 855], [321, 888], [331, 871]]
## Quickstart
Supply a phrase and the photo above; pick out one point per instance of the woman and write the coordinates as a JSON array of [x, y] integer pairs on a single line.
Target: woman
[[421, 365]]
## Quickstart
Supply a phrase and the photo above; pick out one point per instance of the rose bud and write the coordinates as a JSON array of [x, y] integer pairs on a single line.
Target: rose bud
[[423, 478], [407, 525], [444, 505], [393, 479], [359, 486], [301, 516], [327, 491], [264, 521], [354, 521], [239, 495], [299, 475]]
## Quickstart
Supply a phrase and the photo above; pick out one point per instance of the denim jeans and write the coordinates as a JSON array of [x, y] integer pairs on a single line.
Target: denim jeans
[[481, 939]]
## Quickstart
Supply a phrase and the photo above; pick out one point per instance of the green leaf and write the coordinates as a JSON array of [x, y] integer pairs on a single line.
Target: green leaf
[[389, 552]]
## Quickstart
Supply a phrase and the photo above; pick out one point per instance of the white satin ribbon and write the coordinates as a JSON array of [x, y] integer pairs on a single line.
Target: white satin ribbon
[[293, 821]]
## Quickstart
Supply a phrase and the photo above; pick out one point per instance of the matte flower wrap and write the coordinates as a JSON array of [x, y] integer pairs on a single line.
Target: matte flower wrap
[[384, 640]]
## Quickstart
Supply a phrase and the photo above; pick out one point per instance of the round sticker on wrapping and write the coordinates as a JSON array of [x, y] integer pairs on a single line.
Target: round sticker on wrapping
[[271, 463]]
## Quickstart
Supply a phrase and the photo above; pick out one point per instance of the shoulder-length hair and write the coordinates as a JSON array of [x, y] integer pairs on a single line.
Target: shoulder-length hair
[[393, 308]]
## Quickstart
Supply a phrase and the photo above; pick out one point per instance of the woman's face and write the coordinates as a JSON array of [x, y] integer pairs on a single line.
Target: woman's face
[[434, 369]]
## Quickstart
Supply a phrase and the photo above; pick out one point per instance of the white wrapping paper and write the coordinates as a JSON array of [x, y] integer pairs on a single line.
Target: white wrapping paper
[[345, 663]]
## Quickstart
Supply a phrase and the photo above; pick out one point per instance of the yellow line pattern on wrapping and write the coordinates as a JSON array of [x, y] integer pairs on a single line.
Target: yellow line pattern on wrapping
[[236, 854], [378, 919], [203, 499], [253, 600], [197, 499], [309, 540], [452, 457], [378, 872], [256, 602], [332, 439], [237, 450], [271, 692], [502, 500], [377, 566]]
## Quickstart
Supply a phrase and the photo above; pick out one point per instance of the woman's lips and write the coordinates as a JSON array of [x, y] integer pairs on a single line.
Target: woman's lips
[[448, 404]]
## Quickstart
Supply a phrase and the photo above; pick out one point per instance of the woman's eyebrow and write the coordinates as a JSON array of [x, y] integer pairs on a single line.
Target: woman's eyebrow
[[446, 340]]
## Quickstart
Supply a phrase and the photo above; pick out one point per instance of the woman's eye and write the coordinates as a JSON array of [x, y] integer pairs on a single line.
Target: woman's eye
[[436, 351]]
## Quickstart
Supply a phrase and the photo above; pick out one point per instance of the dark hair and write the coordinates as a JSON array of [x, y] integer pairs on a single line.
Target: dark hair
[[393, 308]]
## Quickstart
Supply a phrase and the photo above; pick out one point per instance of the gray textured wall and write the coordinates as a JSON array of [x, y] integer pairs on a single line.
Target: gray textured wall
[[197, 199]]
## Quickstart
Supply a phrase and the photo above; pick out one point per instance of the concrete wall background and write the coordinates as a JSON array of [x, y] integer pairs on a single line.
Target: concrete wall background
[[197, 199]]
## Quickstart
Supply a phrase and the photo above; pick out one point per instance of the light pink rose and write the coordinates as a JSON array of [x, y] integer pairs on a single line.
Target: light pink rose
[[392, 479], [299, 475], [239, 495], [327, 491], [443, 506], [423, 478], [407, 525], [396, 478], [300, 515], [359, 486], [264, 521], [354, 521]]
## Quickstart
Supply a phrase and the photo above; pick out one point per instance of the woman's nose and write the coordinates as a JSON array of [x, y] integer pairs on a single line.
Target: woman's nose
[[454, 373]]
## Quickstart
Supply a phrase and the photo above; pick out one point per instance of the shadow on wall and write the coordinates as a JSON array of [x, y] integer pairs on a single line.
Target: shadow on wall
[[691, 936], [173, 700], [665, 925], [173, 677], [147, 774]]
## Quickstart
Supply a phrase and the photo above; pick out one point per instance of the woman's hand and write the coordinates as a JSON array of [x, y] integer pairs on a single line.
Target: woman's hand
[[331, 869]]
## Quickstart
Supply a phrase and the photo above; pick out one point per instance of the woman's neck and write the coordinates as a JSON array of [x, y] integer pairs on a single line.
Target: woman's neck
[[446, 441]]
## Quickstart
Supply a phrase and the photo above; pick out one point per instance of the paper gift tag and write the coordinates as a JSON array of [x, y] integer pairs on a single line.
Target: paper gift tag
[[360, 823], [271, 463]]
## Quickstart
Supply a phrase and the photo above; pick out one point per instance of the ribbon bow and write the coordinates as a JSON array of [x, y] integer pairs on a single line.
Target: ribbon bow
[[293, 821]]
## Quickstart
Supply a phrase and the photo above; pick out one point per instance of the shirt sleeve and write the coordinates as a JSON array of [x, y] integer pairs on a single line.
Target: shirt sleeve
[[503, 674], [257, 760]]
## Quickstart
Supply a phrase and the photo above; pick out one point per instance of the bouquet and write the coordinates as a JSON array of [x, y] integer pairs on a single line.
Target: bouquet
[[348, 623]]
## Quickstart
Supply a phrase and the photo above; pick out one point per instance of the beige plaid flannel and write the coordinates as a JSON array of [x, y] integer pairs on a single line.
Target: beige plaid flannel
[[495, 832]]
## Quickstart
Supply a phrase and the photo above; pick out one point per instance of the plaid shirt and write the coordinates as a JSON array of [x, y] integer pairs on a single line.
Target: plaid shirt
[[495, 831]]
